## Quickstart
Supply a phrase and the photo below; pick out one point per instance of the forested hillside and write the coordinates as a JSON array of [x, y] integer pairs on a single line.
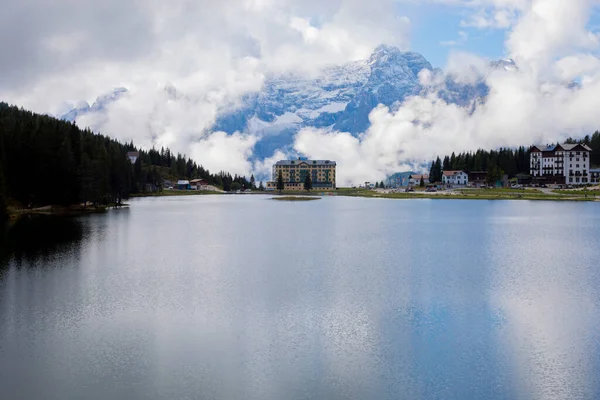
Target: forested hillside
[[46, 161]]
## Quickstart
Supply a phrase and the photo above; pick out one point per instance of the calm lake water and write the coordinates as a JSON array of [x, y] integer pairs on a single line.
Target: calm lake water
[[241, 297]]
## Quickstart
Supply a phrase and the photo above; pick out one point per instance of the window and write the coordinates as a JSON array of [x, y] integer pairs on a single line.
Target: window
[[570, 165], [576, 179], [577, 159], [577, 166], [570, 179]]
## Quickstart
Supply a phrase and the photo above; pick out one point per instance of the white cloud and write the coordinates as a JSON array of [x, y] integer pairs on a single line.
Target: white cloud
[[214, 51], [533, 104], [222, 152], [218, 51]]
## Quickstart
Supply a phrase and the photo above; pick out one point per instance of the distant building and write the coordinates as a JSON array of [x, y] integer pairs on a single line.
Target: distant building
[[322, 174], [561, 164], [183, 185], [198, 184], [455, 178], [595, 175], [133, 156], [477, 178], [415, 180]]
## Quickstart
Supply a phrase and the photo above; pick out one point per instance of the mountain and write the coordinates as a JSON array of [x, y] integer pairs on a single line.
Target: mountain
[[99, 105], [340, 97]]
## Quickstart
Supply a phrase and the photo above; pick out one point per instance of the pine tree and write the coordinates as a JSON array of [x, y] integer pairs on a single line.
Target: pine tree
[[446, 165], [494, 174], [376, 185], [307, 183], [280, 184], [432, 172], [252, 182], [422, 183], [437, 171], [261, 187], [595, 146]]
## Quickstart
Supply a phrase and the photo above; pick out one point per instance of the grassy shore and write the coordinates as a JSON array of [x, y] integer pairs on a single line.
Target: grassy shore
[[468, 194], [578, 192]]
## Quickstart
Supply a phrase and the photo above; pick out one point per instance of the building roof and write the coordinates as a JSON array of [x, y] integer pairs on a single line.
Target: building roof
[[419, 177], [594, 169], [197, 180], [310, 162], [451, 173], [563, 146], [183, 182]]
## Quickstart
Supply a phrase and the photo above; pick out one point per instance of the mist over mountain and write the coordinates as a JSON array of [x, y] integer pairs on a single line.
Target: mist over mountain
[[341, 98]]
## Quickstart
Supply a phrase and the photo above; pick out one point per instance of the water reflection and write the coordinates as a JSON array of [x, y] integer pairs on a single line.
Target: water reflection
[[547, 287], [34, 240], [240, 297]]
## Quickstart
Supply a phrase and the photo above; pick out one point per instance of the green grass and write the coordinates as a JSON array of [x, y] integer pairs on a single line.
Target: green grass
[[501, 191], [295, 198], [578, 192], [466, 194]]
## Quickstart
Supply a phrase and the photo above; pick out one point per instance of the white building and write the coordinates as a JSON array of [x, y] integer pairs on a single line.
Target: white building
[[133, 156], [561, 164], [595, 175], [415, 180], [455, 178]]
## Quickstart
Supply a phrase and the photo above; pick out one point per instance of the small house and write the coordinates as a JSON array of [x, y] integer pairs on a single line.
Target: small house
[[199, 184], [133, 156], [183, 185], [595, 175], [477, 178], [415, 179]]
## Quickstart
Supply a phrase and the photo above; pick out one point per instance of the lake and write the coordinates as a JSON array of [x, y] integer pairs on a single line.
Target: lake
[[241, 297]]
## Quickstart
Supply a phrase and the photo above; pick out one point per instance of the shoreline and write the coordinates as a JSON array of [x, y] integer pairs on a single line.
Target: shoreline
[[457, 194], [473, 194], [14, 213]]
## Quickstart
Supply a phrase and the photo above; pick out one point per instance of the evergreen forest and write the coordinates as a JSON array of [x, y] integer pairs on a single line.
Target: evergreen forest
[[47, 161]]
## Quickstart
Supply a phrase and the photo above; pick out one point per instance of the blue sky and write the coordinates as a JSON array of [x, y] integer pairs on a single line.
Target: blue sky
[[432, 25]]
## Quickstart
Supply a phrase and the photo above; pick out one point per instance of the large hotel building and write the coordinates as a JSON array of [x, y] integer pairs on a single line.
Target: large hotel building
[[561, 164], [322, 174]]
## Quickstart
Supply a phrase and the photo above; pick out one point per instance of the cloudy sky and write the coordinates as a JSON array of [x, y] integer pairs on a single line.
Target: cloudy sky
[[55, 53]]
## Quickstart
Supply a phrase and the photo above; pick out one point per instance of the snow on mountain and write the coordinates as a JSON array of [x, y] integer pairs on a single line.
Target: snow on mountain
[[82, 107], [505, 63], [341, 97]]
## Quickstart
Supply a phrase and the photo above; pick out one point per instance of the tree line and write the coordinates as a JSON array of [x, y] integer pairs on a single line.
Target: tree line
[[510, 161], [47, 161], [507, 161]]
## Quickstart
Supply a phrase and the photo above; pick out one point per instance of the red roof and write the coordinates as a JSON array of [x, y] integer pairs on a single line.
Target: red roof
[[451, 173], [419, 176]]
